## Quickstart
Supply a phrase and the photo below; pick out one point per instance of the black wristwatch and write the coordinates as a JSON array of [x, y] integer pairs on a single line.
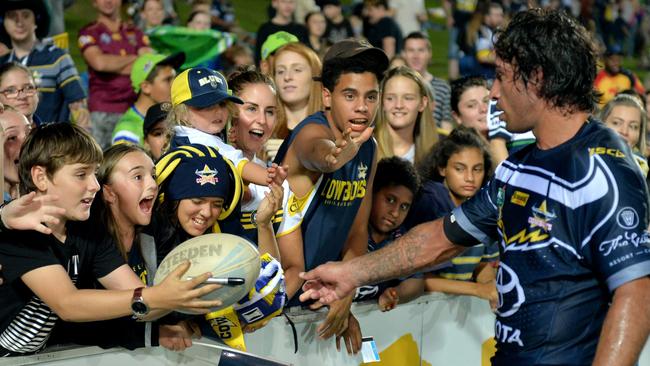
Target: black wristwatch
[[138, 306]]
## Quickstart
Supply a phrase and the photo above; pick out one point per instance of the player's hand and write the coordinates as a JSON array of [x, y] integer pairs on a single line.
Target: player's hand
[[174, 292], [351, 337], [388, 299], [30, 212], [271, 203], [336, 321], [178, 337], [327, 283], [277, 174], [346, 147]]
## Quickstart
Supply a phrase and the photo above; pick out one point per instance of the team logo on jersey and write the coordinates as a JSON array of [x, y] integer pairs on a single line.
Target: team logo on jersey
[[362, 171], [627, 218], [206, 176], [519, 198], [541, 217], [511, 293], [501, 196]]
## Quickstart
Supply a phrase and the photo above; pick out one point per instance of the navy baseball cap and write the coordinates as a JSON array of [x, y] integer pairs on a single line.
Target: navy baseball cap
[[201, 87], [155, 114]]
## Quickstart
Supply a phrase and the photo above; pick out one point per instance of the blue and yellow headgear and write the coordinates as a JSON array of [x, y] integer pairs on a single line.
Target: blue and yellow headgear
[[193, 171]]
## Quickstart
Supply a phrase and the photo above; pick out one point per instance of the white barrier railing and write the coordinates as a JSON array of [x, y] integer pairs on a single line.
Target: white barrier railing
[[435, 329]]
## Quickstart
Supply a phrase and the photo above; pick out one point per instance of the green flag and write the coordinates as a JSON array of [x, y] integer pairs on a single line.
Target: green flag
[[200, 46]]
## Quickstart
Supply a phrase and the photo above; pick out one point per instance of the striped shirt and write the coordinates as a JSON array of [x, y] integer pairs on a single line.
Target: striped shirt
[[57, 80]]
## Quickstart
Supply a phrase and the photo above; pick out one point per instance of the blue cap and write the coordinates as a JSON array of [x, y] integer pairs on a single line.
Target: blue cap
[[201, 87]]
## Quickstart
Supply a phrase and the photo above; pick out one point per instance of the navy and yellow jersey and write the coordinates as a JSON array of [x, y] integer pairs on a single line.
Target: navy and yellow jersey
[[570, 222], [462, 267], [326, 214]]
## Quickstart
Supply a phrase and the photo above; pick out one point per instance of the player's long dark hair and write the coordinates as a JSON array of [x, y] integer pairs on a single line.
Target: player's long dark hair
[[554, 44]]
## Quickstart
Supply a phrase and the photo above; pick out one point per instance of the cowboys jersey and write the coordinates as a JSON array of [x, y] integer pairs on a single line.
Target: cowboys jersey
[[571, 225]]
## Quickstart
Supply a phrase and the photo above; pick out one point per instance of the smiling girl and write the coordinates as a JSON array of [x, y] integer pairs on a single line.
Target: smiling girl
[[405, 125]]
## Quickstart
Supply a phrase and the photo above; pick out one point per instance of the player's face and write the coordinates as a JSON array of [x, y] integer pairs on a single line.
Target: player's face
[[464, 173], [353, 102], [626, 121], [417, 54], [390, 205], [210, 119], [159, 90], [473, 108], [17, 89], [75, 185], [20, 24], [293, 76], [197, 215], [518, 103], [256, 117], [131, 189], [402, 102], [16, 128], [155, 140]]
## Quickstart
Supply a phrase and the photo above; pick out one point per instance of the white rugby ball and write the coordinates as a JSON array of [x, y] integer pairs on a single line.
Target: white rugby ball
[[225, 255]]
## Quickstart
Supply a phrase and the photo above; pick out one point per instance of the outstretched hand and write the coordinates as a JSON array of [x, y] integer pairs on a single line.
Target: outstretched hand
[[175, 293], [388, 299], [277, 174], [271, 203], [327, 283], [31, 212], [346, 147]]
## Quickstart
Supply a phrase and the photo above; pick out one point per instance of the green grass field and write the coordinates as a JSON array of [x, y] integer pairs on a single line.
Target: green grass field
[[252, 13]]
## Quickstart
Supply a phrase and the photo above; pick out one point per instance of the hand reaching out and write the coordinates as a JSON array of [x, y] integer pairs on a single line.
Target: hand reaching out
[[346, 147], [176, 293], [388, 299], [271, 203], [30, 212], [351, 337], [277, 174]]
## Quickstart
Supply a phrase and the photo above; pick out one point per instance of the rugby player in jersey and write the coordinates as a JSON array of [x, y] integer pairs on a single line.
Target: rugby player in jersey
[[332, 158], [569, 212]]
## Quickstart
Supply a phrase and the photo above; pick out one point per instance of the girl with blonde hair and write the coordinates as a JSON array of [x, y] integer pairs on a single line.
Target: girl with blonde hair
[[405, 125]]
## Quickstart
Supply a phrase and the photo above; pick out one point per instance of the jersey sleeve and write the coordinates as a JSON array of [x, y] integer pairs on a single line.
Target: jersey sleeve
[[86, 39], [22, 252], [477, 218], [615, 243]]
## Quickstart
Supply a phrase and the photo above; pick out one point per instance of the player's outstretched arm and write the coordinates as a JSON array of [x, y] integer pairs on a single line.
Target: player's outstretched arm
[[422, 246], [320, 151], [627, 325]]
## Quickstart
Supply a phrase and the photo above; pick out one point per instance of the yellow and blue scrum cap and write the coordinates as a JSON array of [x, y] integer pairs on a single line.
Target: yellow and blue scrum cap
[[201, 87], [195, 171]]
